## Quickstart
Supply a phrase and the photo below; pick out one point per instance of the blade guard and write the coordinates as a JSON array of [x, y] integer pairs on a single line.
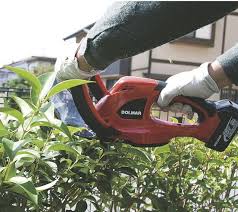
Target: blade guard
[[124, 113]]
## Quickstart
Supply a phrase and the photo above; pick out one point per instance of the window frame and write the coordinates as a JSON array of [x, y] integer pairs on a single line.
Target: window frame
[[199, 41]]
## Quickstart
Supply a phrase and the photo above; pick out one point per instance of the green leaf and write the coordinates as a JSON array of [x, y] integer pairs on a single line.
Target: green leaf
[[53, 123], [38, 142], [125, 193], [199, 155], [13, 112], [26, 157], [33, 152], [200, 175], [8, 146], [109, 153], [128, 171], [25, 187], [48, 166], [48, 111], [25, 108], [66, 85], [47, 81], [11, 147], [10, 171], [64, 147], [1, 149], [31, 78], [67, 161], [24, 160], [158, 202], [53, 166], [74, 130], [104, 186], [81, 206], [143, 155], [47, 186], [3, 130], [162, 149]]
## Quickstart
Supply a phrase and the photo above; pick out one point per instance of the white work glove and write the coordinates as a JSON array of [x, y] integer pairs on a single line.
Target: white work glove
[[195, 83], [66, 65]]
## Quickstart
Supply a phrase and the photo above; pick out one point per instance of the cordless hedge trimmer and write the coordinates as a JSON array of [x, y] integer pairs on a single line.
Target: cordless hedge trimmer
[[124, 112]]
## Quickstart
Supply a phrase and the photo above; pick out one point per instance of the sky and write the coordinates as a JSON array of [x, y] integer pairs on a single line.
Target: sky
[[37, 27]]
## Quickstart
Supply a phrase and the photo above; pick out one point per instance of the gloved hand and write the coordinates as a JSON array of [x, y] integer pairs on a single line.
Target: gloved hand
[[195, 83], [67, 66]]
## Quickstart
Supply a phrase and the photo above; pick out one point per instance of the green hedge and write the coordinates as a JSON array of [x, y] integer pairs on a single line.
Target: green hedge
[[45, 166]]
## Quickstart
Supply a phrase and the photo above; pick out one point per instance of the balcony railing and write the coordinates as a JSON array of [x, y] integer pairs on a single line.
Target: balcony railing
[[7, 93]]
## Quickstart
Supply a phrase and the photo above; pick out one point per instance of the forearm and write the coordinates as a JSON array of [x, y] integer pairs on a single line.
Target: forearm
[[229, 64], [218, 74], [129, 28]]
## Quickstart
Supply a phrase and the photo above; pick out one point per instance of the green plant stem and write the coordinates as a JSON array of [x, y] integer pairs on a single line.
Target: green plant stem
[[26, 130], [228, 191]]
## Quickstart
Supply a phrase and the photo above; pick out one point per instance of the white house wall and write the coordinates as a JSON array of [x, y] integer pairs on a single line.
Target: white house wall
[[140, 61], [191, 52], [169, 69], [139, 73], [231, 36]]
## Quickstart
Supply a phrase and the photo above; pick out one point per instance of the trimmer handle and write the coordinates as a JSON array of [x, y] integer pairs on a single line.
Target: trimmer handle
[[204, 108], [226, 110]]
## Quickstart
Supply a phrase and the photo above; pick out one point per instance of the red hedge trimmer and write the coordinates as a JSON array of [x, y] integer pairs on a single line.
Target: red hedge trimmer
[[124, 112]]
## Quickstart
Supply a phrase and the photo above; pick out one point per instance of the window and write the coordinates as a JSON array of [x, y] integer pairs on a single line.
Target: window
[[203, 36]]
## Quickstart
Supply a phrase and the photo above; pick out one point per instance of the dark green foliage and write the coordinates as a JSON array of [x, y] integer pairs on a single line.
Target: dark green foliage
[[44, 166]]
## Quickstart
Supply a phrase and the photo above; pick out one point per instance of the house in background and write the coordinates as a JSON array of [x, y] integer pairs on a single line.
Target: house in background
[[28, 64], [183, 54]]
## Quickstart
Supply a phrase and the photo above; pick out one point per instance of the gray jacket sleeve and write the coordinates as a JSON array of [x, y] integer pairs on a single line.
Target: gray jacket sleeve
[[229, 62], [129, 28]]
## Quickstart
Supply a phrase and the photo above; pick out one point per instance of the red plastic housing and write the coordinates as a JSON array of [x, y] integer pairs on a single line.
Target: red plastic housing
[[148, 131]]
